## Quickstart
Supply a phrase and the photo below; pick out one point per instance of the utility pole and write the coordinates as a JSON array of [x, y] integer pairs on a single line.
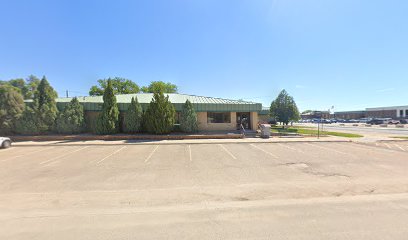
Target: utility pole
[[67, 93]]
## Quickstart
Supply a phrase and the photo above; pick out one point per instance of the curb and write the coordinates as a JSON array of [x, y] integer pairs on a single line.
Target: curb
[[169, 143]]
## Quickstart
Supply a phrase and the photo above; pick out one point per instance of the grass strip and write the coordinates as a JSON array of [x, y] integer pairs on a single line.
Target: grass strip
[[313, 132]]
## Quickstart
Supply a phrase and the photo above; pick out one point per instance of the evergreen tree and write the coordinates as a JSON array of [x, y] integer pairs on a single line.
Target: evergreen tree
[[71, 119], [11, 107], [188, 119], [133, 117], [108, 120], [159, 117], [29, 122], [284, 108], [45, 106]]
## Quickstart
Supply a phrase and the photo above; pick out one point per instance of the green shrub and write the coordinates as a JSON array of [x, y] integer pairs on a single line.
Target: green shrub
[[188, 118], [11, 107], [71, 119], [108, 120], [29, 123], [159, 116], [133, 118]]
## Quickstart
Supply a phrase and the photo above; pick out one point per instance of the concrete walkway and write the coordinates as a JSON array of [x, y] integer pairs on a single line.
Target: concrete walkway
[[187, 141]]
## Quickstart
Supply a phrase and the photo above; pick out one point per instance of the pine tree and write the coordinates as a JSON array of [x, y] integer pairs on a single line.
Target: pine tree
[[188, 119], [284, 108], [29, 122], [108, 120], [133, 117], [45, 106], [11, 107], [71, 119], [159, 117]]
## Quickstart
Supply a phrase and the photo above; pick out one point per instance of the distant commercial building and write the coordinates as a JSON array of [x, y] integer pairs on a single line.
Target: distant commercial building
[[394, 112], [350, 114], [316, 114]]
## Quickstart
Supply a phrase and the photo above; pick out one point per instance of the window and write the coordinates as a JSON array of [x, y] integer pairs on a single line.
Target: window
[[218, 117], [406, 113], [401, 113]]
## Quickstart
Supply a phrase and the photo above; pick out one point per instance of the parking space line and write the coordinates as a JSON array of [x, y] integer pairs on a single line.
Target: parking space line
[[110, 155], [61, 156], [291, 148], [263, 150], [151, 154], [22, 155], [326, 148], [226, 150], [387, 145], [398, 146], [189, 150]]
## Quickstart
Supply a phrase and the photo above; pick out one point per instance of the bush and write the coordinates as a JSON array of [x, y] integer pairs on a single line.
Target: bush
[[188, 119], [159, 116], [11, 107], [108, 120], [133, 117], [29, 123], [71, 119]]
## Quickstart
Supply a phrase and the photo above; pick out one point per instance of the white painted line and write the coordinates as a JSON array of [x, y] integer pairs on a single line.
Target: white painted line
[[189, 150], [330, 149], [263, 150], [226, 150], [398, 146], [110, 155], [151, 154], [388, 146], [22, 155], [61, 156], [288, 147]]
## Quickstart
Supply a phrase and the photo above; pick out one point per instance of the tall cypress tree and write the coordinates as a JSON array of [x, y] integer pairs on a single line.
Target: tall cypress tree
[[188, 119], [108, 120], [133, 117], [45, 106], [159, 117]]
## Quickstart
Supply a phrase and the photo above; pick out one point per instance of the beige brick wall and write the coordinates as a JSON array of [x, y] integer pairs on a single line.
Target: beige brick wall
[[254, 120], [204, 126]]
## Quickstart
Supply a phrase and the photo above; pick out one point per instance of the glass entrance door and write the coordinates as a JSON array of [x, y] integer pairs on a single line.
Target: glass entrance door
[[244, 119]]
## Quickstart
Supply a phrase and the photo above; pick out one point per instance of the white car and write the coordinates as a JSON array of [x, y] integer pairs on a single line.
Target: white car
[[5, 142]]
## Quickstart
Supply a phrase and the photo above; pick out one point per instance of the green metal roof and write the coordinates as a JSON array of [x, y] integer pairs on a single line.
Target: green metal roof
[[200, 103], [264, 111]]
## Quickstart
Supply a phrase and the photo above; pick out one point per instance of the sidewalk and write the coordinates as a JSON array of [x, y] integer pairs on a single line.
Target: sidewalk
[[186, 141]]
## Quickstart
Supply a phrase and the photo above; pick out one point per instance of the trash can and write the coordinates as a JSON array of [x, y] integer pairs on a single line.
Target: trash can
[[265, 130]]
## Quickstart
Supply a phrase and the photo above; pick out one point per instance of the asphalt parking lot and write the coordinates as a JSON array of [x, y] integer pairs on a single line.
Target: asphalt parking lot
[[204, 191]]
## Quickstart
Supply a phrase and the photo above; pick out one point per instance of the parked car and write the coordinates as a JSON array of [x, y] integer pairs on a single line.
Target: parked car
[[403, 121], [375, 121], [5, 142], [393, 121]]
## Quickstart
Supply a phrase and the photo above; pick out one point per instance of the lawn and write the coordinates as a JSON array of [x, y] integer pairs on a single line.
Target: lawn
[[312, 132], [400, 137]]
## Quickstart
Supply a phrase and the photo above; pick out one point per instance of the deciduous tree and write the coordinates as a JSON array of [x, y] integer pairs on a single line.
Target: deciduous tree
[[119, 86], [160, 86], [284, 108]]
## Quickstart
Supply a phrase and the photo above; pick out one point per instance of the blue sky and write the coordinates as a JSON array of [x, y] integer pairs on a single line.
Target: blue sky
[[348, 53]]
